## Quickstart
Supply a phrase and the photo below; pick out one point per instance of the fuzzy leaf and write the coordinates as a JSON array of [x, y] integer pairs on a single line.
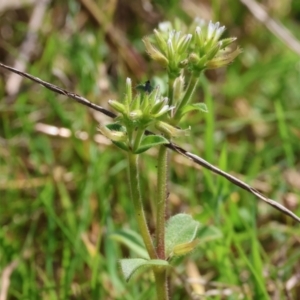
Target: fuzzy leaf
[[181, 230], [151, 141], [195, 106], [130, 265], [132, 240]]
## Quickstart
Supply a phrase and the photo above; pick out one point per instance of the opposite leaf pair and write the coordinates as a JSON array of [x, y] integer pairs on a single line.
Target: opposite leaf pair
[[183, 235]]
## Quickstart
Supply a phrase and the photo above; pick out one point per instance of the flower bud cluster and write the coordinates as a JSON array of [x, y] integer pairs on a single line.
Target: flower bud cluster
[[193, 49], [136, 114], [143, 109], [198, 48], [169, 49]]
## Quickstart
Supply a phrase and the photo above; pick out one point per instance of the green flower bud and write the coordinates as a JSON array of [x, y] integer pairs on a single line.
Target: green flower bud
[[226, 42], [223, 60], [178, 87], [214, 31], [128, 97], [136, 114], [177, 50], [145, 103], [116, 105], [175, 36], [218, 32], [158, 105], [199, 39], [154, 96], [184, 43], [194, 58], [116, 136], [163, 111], [170, 51], [213, 51], [169, 130], [196, 63], [160, 41], [154, 53], [136, 102]]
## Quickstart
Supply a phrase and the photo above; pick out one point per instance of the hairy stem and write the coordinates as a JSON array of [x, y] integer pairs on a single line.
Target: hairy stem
[[161, 284], [138, 138], [187, 96], [170, 90], [135, 190], [161, 197]]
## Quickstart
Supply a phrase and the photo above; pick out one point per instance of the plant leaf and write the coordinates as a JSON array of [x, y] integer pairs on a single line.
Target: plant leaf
[[116, 127], [150, 141], [132, 240], [181, 230], [130, 265], [121, 145], [195, 106]]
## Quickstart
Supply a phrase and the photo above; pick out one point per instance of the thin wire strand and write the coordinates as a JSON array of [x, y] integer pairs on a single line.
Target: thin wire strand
[[195, 158]]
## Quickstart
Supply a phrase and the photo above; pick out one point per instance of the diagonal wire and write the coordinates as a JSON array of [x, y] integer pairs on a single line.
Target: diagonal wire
[[275, 26], [195, 158]]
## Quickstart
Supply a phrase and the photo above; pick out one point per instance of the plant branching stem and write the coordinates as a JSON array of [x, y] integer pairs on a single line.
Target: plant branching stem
[[138, 138], [170, 90], [135, 189], [187, 96]]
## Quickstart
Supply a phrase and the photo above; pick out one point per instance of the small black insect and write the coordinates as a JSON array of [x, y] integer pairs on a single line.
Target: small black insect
[[146, 87]]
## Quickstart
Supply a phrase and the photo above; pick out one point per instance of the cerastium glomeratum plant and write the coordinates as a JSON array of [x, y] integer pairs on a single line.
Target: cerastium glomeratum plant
[[184, 52]]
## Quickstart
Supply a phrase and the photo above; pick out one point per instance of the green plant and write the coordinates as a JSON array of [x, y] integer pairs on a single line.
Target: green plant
[[184, 52]]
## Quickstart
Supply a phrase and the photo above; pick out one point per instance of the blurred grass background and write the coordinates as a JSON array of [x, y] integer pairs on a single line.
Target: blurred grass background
[[63, 188]]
